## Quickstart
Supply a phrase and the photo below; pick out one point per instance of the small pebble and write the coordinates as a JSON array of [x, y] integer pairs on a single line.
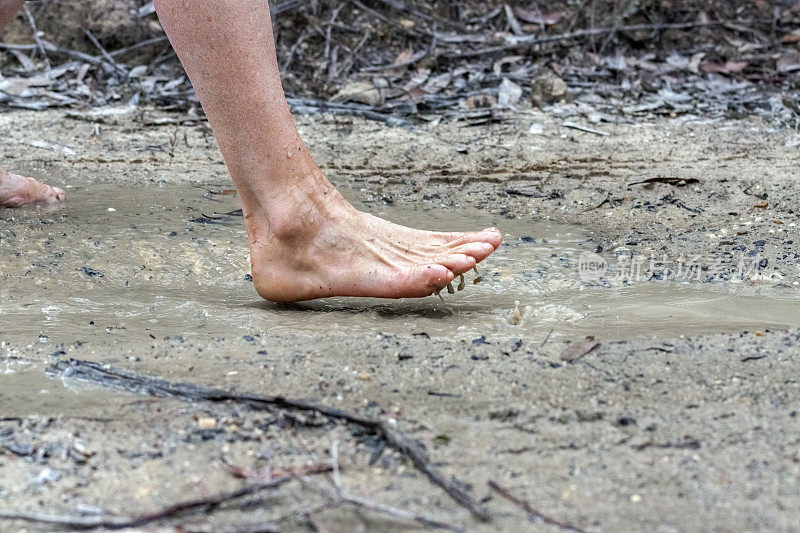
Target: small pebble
[[206, 423]]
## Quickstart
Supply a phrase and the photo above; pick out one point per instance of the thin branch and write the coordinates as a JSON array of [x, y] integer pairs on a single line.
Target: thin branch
[[53, 49], [144, 384], [336, 492], [416, 58], [131, 48], [171, 511], [292, 50], [39, 44], [575, 126], [104, 52], [533, 513], [517, 41], [386, 20], [310, 105], [335, 462]]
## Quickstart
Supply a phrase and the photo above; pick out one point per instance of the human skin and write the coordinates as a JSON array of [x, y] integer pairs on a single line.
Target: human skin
[[306, 241], [16, 190]]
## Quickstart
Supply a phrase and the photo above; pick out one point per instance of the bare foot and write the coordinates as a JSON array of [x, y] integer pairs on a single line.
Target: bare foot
[[16, 191], [312, 244]]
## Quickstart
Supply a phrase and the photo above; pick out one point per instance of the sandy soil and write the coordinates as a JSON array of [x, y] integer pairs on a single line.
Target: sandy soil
[[684, 418]]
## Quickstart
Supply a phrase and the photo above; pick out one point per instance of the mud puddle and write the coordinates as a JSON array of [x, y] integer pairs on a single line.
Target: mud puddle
[[172, 260], [56, 397]]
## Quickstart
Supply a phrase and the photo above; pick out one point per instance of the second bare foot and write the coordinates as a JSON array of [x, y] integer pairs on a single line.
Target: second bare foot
[[16, 191]]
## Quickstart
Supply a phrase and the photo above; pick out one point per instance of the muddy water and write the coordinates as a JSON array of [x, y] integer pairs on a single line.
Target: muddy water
[[168, 260], [53, 397]]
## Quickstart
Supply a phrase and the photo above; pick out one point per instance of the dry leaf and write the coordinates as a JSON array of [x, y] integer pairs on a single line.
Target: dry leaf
[[730, 67], [437, 83], [537, 16], [793, 37], [548, 88], [508, 93], [578, 349], [404, 56], [477, 101], [694, 63], [497, 68], [788, 62], [364, 92]]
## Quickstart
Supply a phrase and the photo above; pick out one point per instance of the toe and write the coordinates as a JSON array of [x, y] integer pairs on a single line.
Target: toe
[[490, 235], [457, 263], [435, 276], [478, 250], [56, 194], [494, 237], [417, 282]]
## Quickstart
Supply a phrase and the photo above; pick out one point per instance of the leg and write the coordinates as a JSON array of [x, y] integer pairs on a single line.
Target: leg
[[306, 240], [17, 190]]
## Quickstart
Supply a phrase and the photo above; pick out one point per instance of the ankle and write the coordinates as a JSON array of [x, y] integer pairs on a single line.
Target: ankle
[[296, 212]]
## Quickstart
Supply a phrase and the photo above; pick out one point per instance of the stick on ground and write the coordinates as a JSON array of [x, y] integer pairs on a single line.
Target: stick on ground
[[533, 513], [143, 384], [39, 44], [171, 511]]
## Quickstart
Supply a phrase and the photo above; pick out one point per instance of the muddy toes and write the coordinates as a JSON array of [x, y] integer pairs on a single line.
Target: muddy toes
[[478, 250], [17, 191], [457, 263], [489, 236], [55, 195]]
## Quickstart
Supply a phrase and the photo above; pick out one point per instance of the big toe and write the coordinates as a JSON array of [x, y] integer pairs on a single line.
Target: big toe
[[435, 277], [54, 195], [420, 281]]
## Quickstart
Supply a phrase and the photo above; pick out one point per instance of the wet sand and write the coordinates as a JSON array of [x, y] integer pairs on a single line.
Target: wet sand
[[683, 418]]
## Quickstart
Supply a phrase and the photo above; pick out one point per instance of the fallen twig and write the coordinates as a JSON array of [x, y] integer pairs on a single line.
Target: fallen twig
[[171, 511], [336, 491], [416, 58], [50, 47], [142, 44], [266, 474], [546, 338], [516, 40], [104, 52], [144, 384], [36, 37], [575, 126], [533, 513], [309, 105]]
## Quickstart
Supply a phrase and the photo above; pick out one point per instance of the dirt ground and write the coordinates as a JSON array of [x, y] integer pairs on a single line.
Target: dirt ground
[[684, 418]]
